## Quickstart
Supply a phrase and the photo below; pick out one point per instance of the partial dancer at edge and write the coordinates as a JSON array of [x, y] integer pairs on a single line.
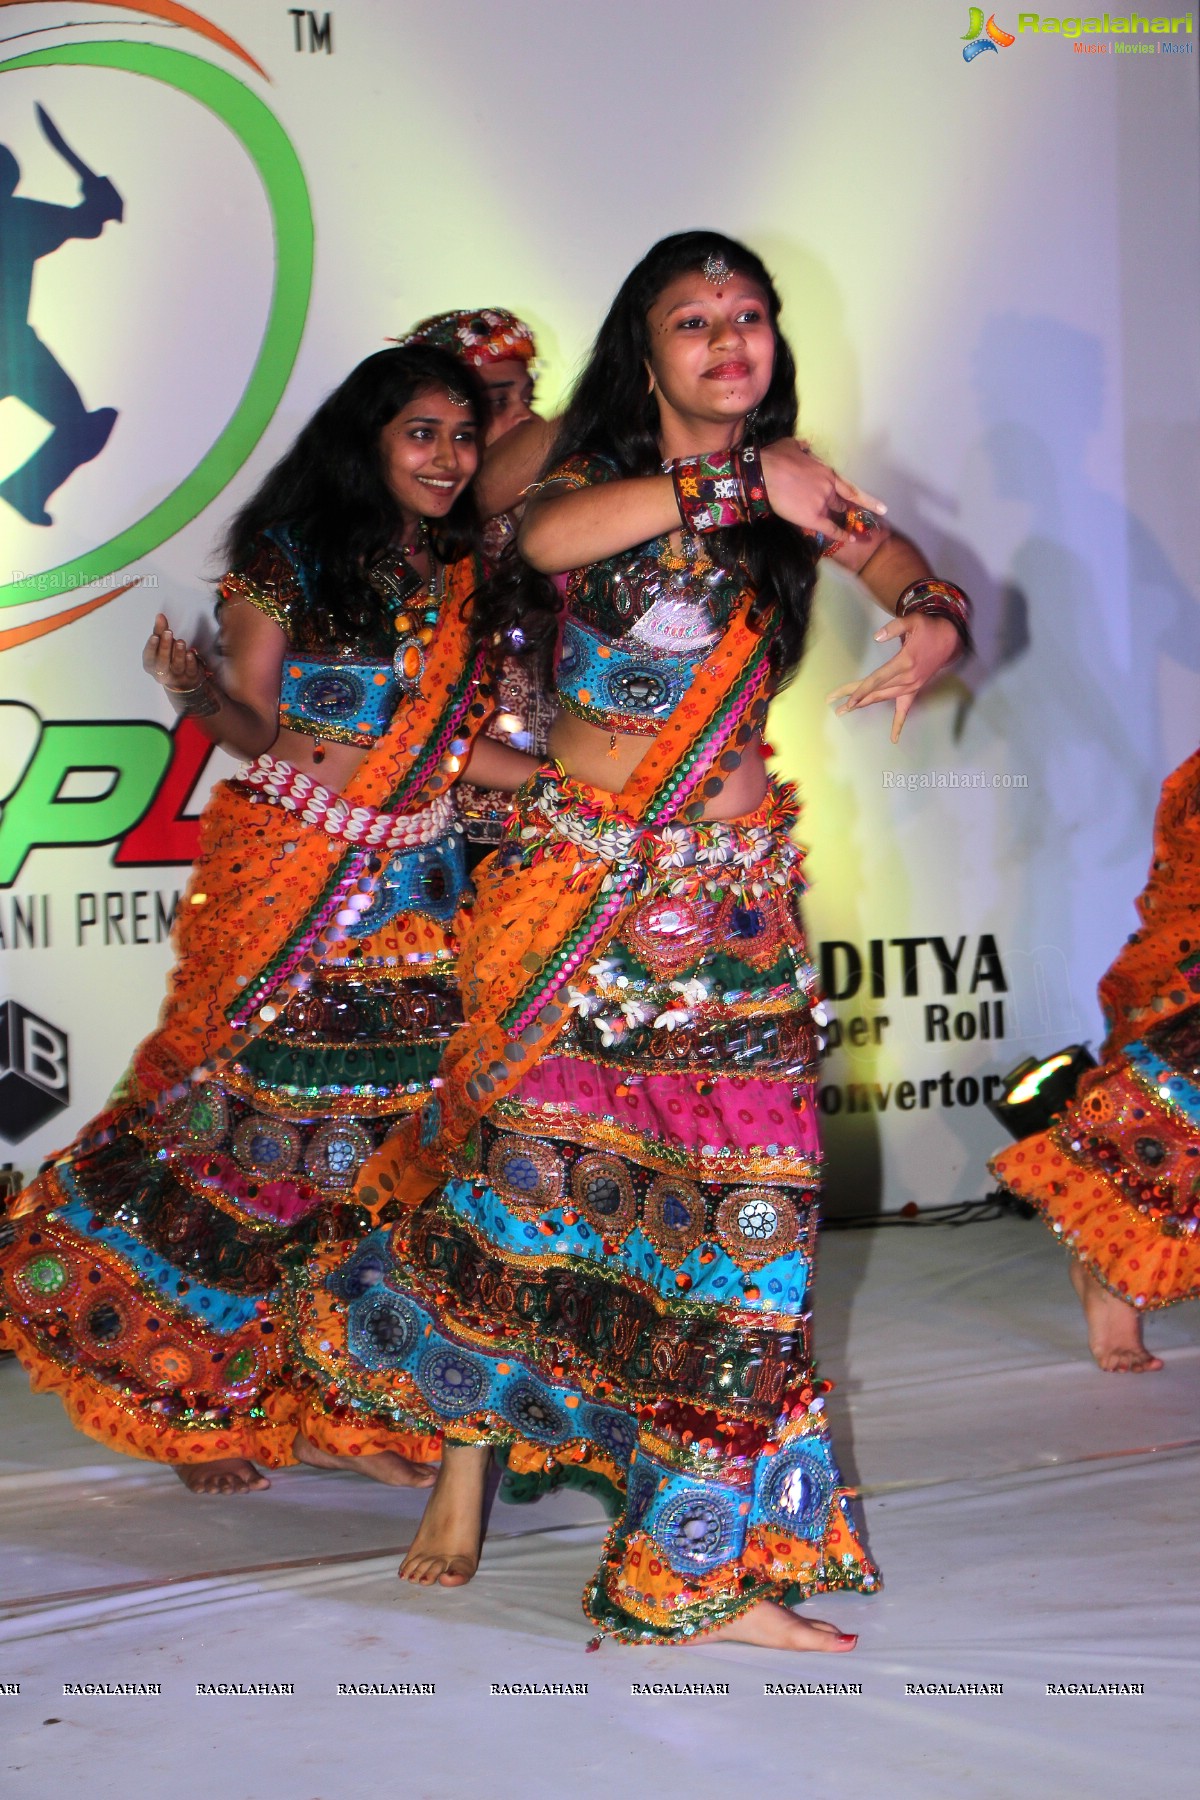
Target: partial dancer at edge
[[615, 1280], [1117, 1177], [315, 983]]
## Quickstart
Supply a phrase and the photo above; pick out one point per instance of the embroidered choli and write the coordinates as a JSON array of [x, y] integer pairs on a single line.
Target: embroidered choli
[[343, 694], [636, 624]]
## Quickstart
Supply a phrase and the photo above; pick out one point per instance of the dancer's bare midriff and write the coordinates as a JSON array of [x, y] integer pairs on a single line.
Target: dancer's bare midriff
[[607, 760], [333, 765]]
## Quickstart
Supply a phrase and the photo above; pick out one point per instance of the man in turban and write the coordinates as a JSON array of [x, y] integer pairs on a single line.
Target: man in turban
[[499, 347]]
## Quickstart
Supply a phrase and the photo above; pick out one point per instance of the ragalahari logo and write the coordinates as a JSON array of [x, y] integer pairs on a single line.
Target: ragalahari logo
[[979, 37]]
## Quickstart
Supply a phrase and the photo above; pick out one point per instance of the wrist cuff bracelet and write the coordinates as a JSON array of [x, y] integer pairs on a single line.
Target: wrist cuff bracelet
[[938, 600], [719, 490], [754, 486]]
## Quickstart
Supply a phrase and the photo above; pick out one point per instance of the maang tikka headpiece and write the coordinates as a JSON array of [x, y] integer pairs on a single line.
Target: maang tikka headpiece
[[715, 269]]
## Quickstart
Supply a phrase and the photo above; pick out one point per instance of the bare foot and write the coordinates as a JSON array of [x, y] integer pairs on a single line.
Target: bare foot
[[231, 1475], [1114, 1327], [776, 1627], [387, 1466], [446, 1547]]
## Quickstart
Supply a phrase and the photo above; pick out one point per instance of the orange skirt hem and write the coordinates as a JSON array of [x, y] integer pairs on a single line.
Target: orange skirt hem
[[343, 1437], [268, 1440], [1127, 1252], [134, 1432]]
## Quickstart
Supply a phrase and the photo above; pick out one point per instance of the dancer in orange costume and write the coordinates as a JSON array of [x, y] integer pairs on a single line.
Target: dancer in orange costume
[[314, 987], [501, 350], [1117, 1176]]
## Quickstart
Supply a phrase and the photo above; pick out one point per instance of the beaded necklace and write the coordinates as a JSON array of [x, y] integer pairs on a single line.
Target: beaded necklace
[[413, 618]]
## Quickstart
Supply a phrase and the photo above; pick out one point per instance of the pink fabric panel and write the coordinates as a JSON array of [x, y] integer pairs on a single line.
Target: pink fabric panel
[[741, 1110], [283, 1202]]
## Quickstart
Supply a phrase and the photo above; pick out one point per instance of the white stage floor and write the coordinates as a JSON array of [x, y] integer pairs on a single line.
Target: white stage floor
[[1035, 1520]]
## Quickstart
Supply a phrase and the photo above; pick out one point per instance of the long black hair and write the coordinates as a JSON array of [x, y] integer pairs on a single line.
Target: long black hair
[[329, 490], [611, 414]]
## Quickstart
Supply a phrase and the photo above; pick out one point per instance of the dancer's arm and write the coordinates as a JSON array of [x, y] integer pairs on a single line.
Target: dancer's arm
[[240, 709], [495, 765], [566, 528], [511, 463]]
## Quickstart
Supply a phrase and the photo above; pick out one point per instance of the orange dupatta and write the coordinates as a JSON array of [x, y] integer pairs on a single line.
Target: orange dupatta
[[259, 914]]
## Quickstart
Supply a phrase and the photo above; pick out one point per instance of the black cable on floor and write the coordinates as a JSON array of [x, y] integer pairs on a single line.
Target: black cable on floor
[[996, 1205]]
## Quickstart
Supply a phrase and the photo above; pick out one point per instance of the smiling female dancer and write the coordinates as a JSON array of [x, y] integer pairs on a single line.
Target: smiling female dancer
[[616, 1277], [314, 987]]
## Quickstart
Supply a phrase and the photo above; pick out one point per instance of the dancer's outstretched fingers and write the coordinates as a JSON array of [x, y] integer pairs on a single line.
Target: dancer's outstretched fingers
[[846, 490], [903, 707]]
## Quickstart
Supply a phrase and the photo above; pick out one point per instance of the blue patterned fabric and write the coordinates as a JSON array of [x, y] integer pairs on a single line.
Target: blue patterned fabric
[[341, 701], [220, 1311], [619, 683], [429, 879]]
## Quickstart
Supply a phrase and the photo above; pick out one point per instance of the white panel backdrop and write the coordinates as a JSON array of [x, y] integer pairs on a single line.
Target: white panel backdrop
[[990, 275]]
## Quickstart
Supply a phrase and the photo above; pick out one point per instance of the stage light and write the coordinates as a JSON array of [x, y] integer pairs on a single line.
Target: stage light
[[1038, 1089]]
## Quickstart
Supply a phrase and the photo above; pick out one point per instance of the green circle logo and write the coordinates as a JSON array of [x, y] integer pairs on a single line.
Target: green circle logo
[[270, 150]]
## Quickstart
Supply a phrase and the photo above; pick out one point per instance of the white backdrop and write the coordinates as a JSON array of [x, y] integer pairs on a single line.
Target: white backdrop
[[990, 273]]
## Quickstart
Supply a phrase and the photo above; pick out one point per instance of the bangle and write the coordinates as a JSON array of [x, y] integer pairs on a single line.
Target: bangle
[[826, 546], [199, 702], [938, 600], [718, 490], [754, 485], [855, 521]]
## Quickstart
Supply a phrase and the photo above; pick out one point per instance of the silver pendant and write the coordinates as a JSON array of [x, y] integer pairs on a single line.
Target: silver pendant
[[408, 663]]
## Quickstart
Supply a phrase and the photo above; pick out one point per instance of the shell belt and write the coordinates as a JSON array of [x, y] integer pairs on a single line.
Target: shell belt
[[711, 845], [291, 788]]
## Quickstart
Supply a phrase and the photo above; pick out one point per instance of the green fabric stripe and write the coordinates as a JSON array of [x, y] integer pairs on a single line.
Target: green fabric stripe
[[308, 1067]]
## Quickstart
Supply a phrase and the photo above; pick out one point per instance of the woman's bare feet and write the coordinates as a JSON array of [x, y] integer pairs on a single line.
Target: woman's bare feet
[[775, 1627], [387, 1466], [231, 1475], [446, 1547], [1114, 1327]]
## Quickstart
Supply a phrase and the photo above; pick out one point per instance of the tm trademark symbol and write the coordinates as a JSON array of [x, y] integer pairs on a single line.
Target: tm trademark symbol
[[320, 30]]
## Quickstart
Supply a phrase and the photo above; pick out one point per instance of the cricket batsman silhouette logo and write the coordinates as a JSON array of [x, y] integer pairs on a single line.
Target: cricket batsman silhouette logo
[[30, 229]]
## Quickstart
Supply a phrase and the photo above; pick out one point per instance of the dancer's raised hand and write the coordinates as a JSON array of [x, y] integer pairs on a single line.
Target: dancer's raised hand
[[927, 646], [807, 492], [172, 661]]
